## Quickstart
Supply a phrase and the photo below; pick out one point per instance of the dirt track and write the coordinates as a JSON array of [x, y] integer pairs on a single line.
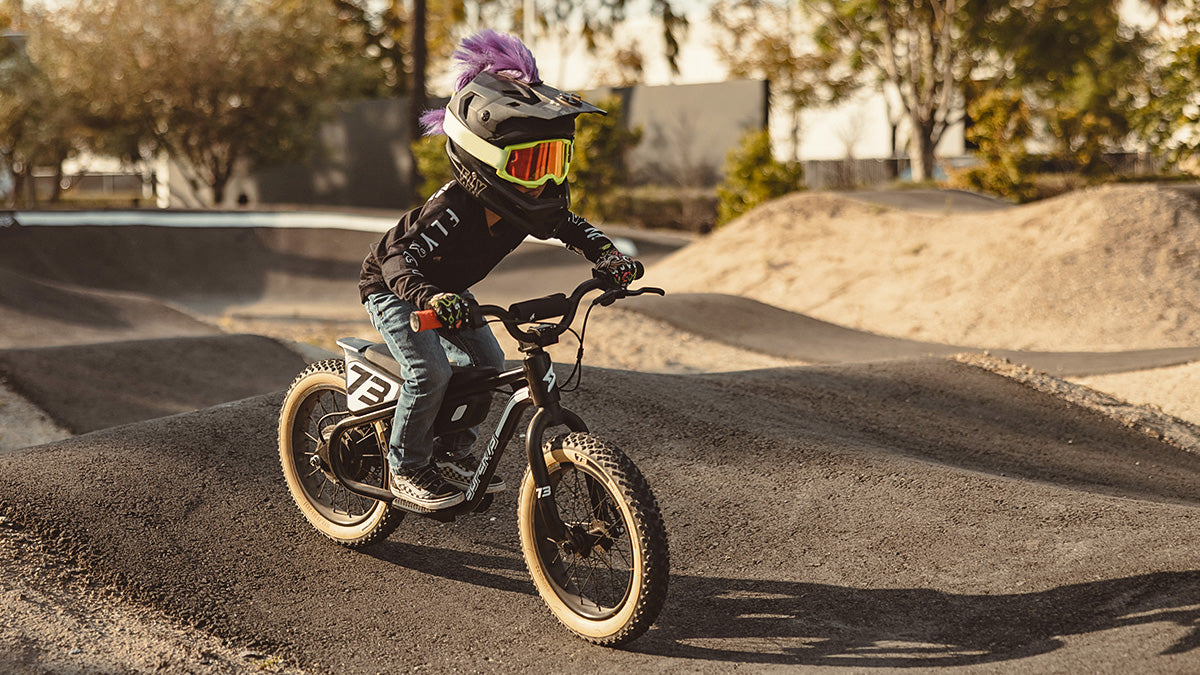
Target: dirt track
[[894, 514]]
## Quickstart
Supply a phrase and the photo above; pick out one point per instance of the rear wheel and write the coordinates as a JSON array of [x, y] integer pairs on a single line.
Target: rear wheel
[[607, 583], [314, 403]]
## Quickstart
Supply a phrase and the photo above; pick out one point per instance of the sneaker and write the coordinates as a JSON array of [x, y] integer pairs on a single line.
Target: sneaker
[[425, 488], [459, 472]]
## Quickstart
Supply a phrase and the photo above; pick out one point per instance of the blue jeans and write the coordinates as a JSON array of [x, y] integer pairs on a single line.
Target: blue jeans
[[425, 360]]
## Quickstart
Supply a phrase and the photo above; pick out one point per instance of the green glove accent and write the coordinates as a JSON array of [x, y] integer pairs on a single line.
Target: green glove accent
[[452, 310]]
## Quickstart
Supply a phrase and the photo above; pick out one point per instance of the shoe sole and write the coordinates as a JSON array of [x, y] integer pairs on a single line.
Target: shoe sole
[[427, 506]]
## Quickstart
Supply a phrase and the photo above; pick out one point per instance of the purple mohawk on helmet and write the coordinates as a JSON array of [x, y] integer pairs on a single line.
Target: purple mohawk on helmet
[[488, 51]]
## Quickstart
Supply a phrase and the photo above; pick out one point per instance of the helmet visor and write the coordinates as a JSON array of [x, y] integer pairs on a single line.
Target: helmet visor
[[536, 163]]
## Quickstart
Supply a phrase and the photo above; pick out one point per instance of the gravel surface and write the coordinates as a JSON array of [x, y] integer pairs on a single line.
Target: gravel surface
[[960, 512]]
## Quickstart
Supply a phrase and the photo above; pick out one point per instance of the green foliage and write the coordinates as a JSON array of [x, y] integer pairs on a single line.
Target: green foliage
[[922, 49], [215, 83], [1073, 62], [1170, 119], [1089, 110], [593, 23], [753, 176], [39, 124], [600, 168], [382, 32], [1002, 127], [1071, 71], [432, 163], [763, 39]]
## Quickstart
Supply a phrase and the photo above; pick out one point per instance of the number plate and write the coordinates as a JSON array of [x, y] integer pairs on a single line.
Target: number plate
[[367, 386]]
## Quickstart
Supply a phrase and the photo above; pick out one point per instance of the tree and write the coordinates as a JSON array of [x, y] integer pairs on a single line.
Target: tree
[[391, 35], [594, 21], [920, 48], [1169, 119], [213, 83], [401, 42], [39, 125], [1076, 67], [389, 32], [1001, 130], [758, 39], [929, 50]]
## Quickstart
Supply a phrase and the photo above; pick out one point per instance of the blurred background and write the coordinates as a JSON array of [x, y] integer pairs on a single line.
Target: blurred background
[[714, 106]]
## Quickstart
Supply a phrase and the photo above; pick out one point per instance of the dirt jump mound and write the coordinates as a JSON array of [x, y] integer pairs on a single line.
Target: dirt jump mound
[[885, 509], [1105, 269]]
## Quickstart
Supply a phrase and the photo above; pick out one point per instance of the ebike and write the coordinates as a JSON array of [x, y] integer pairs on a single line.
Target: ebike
[[591, 531]]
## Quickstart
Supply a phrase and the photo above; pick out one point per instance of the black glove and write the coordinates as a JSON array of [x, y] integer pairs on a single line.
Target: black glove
[[452, 309], [617, 268]]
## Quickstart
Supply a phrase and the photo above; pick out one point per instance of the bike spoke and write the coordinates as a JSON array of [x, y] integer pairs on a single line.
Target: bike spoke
[[598, 577]]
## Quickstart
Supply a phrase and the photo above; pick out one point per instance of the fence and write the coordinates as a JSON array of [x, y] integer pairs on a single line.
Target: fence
[[115, 189], [839, 174]]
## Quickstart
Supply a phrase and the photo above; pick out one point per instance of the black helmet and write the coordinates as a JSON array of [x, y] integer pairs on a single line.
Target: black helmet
[[493, 123]]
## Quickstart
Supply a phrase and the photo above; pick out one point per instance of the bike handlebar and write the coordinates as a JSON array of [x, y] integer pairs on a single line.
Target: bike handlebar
[[538, 309]]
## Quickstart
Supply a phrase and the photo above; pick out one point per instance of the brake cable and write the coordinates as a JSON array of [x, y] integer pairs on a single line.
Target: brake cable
[[577, 370], [605, 299]]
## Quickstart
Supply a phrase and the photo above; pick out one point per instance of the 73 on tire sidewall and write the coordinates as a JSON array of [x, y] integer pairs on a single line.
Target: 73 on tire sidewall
[[643, 523]]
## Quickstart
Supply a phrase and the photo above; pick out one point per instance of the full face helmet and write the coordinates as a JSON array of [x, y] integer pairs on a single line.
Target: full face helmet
[[507, 138]]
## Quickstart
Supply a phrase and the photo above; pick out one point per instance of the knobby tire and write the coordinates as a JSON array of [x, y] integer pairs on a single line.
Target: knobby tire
[[611, 591], [315, 402]]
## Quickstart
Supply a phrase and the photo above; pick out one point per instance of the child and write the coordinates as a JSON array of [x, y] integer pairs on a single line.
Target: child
[[510, 139]]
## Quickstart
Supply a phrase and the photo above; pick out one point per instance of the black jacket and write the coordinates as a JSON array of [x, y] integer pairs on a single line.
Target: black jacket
[[446, 246]]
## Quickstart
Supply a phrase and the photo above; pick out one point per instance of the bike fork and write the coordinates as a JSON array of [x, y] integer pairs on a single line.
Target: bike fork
[[543, 390]]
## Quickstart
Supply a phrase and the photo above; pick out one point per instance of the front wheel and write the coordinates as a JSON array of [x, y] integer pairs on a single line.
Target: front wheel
[[608, 581], [314, 403]]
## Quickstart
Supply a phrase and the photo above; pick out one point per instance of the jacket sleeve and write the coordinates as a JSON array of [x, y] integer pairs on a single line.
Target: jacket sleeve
[[401, 262], [583, 238]]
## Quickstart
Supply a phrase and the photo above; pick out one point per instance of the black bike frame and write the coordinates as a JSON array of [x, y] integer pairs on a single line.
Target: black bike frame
[[534, 385]]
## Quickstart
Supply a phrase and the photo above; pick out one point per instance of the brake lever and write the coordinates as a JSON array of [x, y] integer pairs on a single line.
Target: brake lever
[[645, 289], [609, 297]]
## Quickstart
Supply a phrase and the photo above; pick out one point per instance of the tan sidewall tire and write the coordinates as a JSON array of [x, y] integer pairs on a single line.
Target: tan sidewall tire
[[614, 629], [313, 379]]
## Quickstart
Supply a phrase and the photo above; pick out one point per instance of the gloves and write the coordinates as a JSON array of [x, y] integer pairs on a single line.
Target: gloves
[[617, 268], [452, 309]]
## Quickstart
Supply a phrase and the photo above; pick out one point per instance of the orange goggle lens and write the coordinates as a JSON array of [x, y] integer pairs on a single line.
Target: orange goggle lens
[[535, 163]]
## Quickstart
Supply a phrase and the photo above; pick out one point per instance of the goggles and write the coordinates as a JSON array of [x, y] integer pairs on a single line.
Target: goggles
[[526, 164]]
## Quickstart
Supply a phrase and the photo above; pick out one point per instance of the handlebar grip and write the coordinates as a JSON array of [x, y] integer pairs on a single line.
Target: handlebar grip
[[423, 319], [541, 308], [640, 269]]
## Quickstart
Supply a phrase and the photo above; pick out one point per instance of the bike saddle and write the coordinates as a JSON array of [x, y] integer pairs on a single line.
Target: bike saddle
[[378, 354]]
